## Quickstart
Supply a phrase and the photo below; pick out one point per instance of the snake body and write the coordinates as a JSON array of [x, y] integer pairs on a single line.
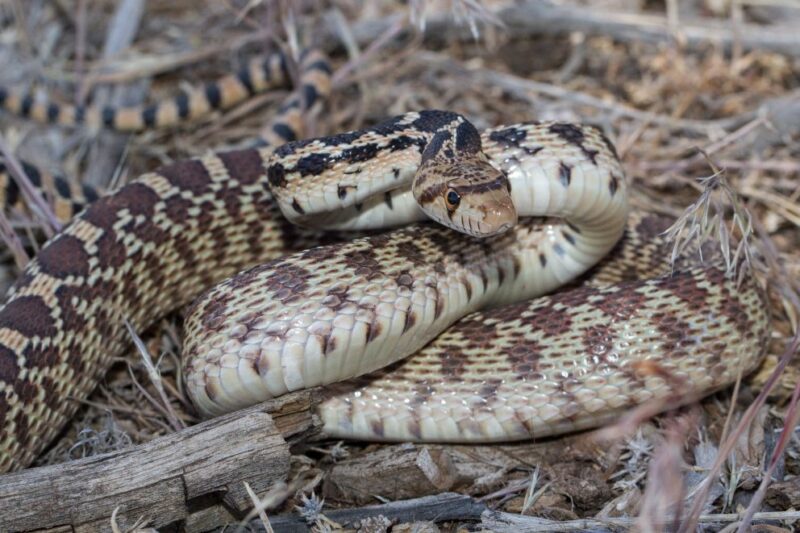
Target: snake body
[[256, 76], [631, 332], [327, 313]]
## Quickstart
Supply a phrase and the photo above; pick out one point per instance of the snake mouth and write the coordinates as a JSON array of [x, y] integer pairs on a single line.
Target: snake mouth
[[491, 231], [502, 228], [480, 229]]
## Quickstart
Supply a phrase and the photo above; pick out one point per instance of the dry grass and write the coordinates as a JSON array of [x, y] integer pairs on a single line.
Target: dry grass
[[677, 115]]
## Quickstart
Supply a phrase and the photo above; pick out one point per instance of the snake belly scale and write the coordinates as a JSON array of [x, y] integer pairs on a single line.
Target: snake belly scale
[[158, 242]]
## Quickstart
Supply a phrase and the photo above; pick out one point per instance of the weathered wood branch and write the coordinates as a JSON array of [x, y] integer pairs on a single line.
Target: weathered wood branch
[[438, 508], [165, 478], [530, 17]]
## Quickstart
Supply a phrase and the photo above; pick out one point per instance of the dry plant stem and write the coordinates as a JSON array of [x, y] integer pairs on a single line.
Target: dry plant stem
[[169, 426], [31, 194], [732, 407], [783, 166], [150, 66], [258, 509], [161, 478], [726, 141], [276, 495], [340, 77], [80, 48], [11, 240], [155, 379], [787, 208], [727, 446], [22, 26]]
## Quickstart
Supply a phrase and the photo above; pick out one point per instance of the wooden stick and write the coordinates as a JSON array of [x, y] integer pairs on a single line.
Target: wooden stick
[[164, 479], [439, 508]]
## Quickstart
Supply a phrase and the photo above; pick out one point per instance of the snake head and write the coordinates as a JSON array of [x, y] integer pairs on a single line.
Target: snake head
[[471, 197]]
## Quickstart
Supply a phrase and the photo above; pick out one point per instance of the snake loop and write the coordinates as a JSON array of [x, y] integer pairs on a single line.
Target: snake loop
[[333, 313], [325, 313]]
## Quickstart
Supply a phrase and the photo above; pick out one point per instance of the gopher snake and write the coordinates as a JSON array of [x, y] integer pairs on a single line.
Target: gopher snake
[[156, 243], [258, 75]]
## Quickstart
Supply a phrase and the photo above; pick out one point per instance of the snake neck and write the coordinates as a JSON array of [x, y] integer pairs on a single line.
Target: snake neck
[[334, 179]]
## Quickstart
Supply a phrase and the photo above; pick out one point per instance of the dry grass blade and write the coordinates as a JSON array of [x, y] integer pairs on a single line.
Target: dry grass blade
[[138, 527], [704, 220], [470, 12], [260, 506], [32, 194], [155, 378], [11, 240], [531, 494], [524, 88]]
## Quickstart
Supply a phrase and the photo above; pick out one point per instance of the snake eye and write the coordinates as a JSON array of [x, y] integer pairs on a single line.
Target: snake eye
[[452, 199]]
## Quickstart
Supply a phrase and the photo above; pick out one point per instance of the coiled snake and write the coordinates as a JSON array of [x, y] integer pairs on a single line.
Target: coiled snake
[[328, 313]]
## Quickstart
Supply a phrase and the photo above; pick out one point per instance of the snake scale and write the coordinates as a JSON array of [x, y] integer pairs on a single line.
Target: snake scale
[[328, 312]]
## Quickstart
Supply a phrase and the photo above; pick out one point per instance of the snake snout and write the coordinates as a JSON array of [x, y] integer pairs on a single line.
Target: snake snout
[[498, 219]]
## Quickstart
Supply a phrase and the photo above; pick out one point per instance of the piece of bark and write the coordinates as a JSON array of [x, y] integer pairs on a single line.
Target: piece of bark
[[163, 479], [395, 473], [784, 495]]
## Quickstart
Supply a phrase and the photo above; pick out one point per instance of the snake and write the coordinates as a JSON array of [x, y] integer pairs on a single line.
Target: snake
[[418, 333], [258, 75]]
